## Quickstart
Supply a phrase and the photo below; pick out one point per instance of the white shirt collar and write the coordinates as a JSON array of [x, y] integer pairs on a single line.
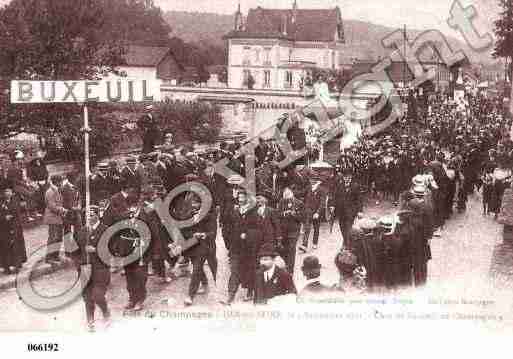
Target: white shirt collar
[[268, 274], [93, 228], [313, 280], [124, 194]]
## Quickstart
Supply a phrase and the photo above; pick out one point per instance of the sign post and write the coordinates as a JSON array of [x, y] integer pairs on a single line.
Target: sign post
[[87, 167]]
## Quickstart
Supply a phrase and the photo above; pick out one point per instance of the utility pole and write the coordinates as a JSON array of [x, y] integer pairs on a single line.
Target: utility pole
[[404, 57]]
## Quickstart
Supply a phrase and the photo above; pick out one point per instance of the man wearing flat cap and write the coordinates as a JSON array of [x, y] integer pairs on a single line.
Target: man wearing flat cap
[[271, 280]]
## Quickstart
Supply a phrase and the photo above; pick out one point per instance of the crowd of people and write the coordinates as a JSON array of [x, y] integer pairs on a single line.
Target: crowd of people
[[426, 168]]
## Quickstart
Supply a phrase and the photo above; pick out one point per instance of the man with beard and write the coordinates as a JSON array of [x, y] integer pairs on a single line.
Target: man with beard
[[271, 280], [346, 202]]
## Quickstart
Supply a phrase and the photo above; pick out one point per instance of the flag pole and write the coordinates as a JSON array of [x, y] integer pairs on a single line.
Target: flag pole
[[87, 167]]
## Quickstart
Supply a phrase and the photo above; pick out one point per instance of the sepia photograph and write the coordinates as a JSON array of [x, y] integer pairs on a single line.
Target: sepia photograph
[[177, 173]]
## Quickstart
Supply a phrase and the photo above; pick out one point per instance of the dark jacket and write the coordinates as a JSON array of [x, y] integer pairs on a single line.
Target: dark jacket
[[12, 242], [131, 177], [346, 200], [281, 283], [36, 170], [291, 214], [118, 208], [207, 225], [316, 291]]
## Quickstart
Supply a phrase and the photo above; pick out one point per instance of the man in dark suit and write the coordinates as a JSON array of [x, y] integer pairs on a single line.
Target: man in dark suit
[[70, 201], [246, 237], [314, 210], [271, 280], [314, 289], [13, 252], [95, 290], [148, 126], [118, 205], [129, 173], [204, 231], [100, 190], [37, 172], [346, 202], [269, 218], [133, 240], [291, 215]]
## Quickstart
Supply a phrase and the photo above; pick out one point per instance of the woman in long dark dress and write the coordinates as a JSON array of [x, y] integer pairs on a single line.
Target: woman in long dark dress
[[13, 252]]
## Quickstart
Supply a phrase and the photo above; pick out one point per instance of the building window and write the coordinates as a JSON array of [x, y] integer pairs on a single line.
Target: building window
[[326, 59], [246, 61], [257, 55], [333, 59], [290, 54], [288, 79], [267, 56], [267, 79]]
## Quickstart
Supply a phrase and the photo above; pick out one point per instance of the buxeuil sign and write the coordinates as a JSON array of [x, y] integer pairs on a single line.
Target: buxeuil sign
[[84, 91]]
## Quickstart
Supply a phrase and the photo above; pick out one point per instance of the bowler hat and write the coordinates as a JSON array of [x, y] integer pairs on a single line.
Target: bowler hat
[[131, 160], [267, 250], [103, 166], [311, 263]]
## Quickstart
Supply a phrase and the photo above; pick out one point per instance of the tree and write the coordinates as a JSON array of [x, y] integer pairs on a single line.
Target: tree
[[504, 33], [62, 40]]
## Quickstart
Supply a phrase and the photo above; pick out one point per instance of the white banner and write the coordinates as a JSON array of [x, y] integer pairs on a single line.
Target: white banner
[[125, 90]]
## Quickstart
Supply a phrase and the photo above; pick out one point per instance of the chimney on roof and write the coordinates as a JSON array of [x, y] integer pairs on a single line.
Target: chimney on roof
[[294, 11], [238, 20]]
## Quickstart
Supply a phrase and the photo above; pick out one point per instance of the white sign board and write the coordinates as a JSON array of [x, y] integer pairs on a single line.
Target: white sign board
[[85, 91]]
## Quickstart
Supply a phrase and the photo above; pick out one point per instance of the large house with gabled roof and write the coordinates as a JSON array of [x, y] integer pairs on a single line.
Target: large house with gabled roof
[[275, 47]]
